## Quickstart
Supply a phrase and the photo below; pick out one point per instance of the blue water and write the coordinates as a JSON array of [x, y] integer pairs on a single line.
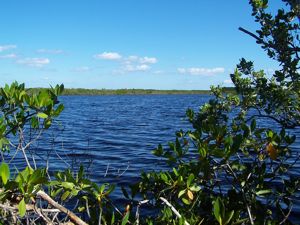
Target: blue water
[[113, 136], [119, 132]]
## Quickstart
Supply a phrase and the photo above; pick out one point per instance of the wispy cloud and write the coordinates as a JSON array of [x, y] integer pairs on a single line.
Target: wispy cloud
[[132, 63], [108, 56], [8, 56], [137, 68], [7, 47], [82, 69], [141, 60], [135, 63], [50, 51], [201, 71], [158, 72], [228, 81], [150, 60], [34, 62]]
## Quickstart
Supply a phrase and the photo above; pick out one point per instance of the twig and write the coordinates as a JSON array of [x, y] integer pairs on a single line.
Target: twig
[[137, 215], [40, 213], [173, 209], [28, 208], [21, 137], [243, 193], [100, 216], [72, 216], [287, 215]]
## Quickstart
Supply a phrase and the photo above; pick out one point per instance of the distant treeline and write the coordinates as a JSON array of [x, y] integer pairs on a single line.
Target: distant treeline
[[83, 91]]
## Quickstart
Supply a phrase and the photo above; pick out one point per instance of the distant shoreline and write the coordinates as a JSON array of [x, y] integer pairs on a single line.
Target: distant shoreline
[[83, 91]]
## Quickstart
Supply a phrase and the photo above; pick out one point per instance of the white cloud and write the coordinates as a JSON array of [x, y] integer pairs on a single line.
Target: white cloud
[[34, 62], [8, 56], [131, 63], [148, 60], [181, 70], [82, 69], [50, 51], [141, 60], [227, 81], [137, 68], [135, 63], [132, 58], [108, 56], [7, 47], [201, 71]]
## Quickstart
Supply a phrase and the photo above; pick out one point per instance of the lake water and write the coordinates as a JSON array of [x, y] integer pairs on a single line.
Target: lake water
[[113, 136]]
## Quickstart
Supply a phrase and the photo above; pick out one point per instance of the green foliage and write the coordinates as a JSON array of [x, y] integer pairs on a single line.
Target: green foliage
[[220, 213], [19, 108], [22, 109], [4, 172], [225, 168], [22, 208]]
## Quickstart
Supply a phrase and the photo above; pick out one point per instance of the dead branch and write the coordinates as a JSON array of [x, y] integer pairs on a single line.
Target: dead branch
[[173, 209], [56, 205]]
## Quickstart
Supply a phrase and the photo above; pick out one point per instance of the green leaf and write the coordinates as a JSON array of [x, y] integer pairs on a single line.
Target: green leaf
[[125, 219], [112, 219], [37, 177], [3, 143], [65, 195], [182, 192], [110, 189], [47, 123], [22, 207], [125, 193], [102, 188], [158, 151], [190, 179], [253, 125], [195, 188], [228, 217], [60, 89], [59, 109], [42, 115], [186, 201], [4, 172], [218, 210], [74, 192], [264, 192], [54, 193], [175, 172], [164, 177], [34, 122], [202, 152], [192, 136], [67, 185]]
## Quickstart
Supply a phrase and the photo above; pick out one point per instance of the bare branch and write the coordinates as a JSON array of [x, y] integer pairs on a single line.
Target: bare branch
[[56, 205], [173, 209]]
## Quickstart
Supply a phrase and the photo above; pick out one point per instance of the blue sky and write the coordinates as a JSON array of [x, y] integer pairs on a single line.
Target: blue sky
[[158, 44]]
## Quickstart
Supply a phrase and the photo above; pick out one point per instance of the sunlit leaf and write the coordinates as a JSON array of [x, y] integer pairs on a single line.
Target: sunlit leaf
[[42, 115], [4, 172], [190, 195], [272, 151], [22, 208]]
